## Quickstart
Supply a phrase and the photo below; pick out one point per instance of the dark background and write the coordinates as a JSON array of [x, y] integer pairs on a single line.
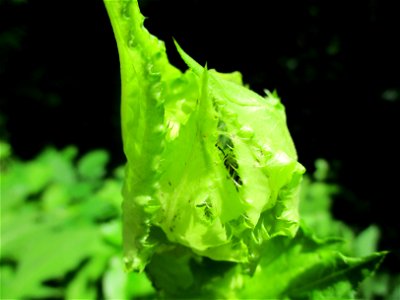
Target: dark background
[[335, 64]]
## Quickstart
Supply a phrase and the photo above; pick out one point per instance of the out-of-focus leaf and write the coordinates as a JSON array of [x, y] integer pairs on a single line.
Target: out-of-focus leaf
[[80, 191], [53, 238], [92, 165], [18, 229], [378, 286], [321, 169], [22, 180], [5, 150], [316, 199], [56, 197], [50, 254], [114, 280], [118, 284], [84, 284], [395, 293], [139, 286], [6, 275], [111, 232], [110, 192], [315, 209], [61, 164], [366, 242], [339, 290]]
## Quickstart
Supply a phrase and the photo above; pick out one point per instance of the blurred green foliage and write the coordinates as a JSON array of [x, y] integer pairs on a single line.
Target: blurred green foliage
[[40, 74], [317, 195], [60, 228]]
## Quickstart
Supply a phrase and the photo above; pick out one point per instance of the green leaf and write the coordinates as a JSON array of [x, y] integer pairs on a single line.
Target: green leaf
[[211, 188], [49, 255], [61, 164], [114, 280], [83, 285], [57, 235], [366, 242], [144, 72], [210, 162], [92, 165], [5, 150], [301, 268], [335, 272], [309, 269], [119, 285], [315, 210]]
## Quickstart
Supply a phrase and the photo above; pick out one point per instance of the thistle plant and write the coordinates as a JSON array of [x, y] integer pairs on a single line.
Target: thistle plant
[[212, 180]]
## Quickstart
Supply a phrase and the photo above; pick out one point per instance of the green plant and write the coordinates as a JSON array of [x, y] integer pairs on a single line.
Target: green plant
[[212, 181], [48, 208], [60, 228]]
